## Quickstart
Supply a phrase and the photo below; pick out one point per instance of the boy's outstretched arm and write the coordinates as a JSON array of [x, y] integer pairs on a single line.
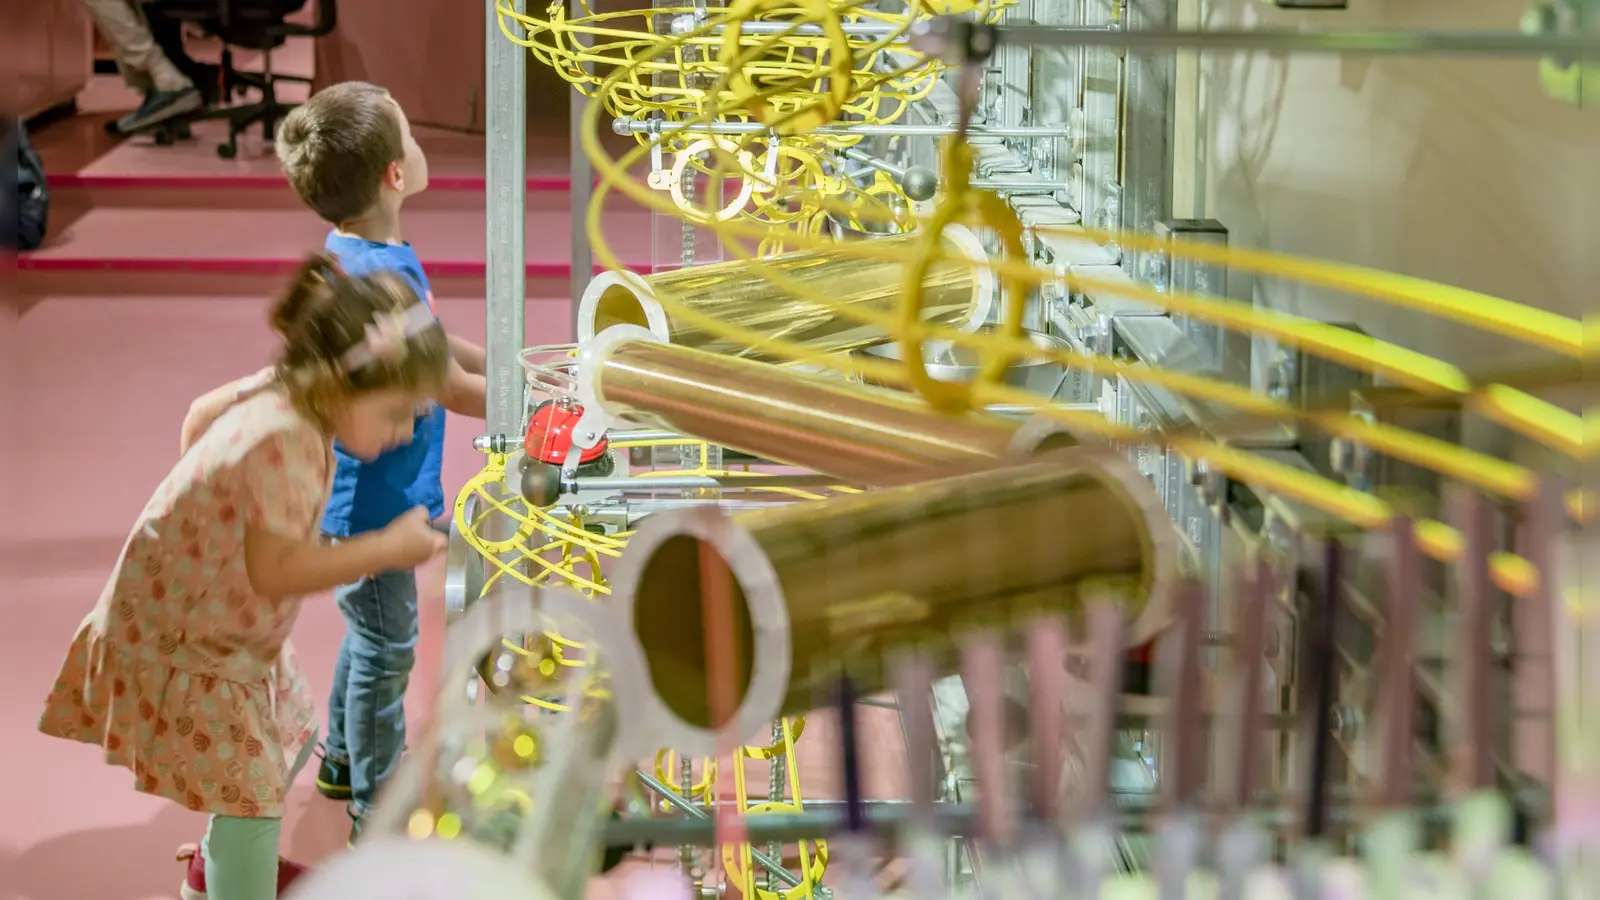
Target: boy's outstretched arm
[[471, 356], [465, 394]]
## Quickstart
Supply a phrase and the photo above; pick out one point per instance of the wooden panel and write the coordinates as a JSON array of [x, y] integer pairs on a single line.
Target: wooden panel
[[46, 54], [428, 53]]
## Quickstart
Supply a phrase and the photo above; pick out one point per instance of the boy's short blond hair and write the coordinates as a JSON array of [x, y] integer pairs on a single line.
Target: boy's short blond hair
[[337, 145]]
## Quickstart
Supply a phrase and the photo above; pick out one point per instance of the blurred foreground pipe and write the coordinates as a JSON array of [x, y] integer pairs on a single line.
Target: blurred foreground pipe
[[739, 292], [860, 435], [820, 586]]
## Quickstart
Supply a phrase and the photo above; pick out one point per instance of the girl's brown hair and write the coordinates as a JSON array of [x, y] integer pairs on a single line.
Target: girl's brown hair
[[325, 314]]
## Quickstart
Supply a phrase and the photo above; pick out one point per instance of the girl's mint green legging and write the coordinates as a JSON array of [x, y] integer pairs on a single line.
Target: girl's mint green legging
[[242, 854]]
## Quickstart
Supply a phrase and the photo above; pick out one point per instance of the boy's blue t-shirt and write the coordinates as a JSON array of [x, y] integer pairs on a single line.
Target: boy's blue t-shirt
[[369, 495]]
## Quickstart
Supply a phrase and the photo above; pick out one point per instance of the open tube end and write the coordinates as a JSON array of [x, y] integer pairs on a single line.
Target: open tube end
[[1039, 434], [986, 287], [592, 353], [619, 298], [659, 588], [1161, 547]]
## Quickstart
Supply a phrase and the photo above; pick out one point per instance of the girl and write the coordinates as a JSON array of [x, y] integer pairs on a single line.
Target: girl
[[183, 672]]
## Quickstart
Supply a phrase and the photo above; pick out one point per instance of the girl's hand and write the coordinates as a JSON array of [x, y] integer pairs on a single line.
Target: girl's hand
[[411, 540]]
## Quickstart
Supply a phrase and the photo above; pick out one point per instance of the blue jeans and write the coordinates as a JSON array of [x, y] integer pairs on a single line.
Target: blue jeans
[[366, 711]]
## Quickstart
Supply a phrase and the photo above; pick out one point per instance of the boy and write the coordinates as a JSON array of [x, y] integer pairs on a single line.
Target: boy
[[349, 153]]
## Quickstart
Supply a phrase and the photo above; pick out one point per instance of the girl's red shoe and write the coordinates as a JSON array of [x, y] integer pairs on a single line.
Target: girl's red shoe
[[194, 881]]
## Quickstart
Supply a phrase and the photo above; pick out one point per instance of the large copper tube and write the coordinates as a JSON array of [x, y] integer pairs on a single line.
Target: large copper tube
[[860, 435], [956, 293], [838, 583]]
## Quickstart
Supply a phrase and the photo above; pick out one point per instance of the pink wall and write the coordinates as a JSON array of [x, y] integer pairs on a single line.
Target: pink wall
[[430, 54], [103, 384]]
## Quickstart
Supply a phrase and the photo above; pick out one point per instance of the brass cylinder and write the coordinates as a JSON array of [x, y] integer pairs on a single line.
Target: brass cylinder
[[818, 587], [955, 294], [860, 435]]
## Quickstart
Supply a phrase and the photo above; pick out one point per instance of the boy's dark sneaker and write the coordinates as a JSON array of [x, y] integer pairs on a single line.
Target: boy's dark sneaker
[[333, 777], [355, 825], [158, 106]]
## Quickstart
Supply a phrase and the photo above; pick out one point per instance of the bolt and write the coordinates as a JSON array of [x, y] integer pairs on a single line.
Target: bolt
[[1155, 271], [1345, 723], [1273, 645], [1280, 376], [1339, 453]]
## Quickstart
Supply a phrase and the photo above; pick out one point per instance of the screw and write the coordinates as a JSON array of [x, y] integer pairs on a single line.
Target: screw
[[1280, 376], [1339, 456], [1345, 723]]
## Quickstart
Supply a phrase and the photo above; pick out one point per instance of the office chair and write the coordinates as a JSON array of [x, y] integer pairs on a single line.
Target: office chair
[[258, 25]]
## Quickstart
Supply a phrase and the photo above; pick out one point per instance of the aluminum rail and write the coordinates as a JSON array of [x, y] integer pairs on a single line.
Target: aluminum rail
[[952, 819], [637, 484], [581, 185], [998, 185], [852, 29], [484, 442], [506, 170], [956, 40], [628, 125], [696, 816], [893, 171]]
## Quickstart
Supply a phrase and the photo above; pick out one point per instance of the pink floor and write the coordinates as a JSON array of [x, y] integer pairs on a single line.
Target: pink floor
[[152, 290]]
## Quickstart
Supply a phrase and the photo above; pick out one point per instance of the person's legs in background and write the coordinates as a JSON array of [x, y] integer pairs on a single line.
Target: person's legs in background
[[333, 776], [168, 34], [167, 91], [380, 616]]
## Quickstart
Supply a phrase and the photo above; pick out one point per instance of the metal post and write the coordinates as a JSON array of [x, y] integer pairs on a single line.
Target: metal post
[[505, 266], [582, 173]]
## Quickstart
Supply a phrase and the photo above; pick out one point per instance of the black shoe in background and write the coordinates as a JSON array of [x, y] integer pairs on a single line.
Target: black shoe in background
[[158, 106], [355, 825], [333, 779]]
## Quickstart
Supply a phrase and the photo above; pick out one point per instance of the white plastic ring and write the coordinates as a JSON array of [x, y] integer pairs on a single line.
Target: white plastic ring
[[769, 624]]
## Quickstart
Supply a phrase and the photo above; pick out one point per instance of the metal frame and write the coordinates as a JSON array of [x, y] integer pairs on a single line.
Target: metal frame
[[948, 36], [1221, 524], [505, 257]]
